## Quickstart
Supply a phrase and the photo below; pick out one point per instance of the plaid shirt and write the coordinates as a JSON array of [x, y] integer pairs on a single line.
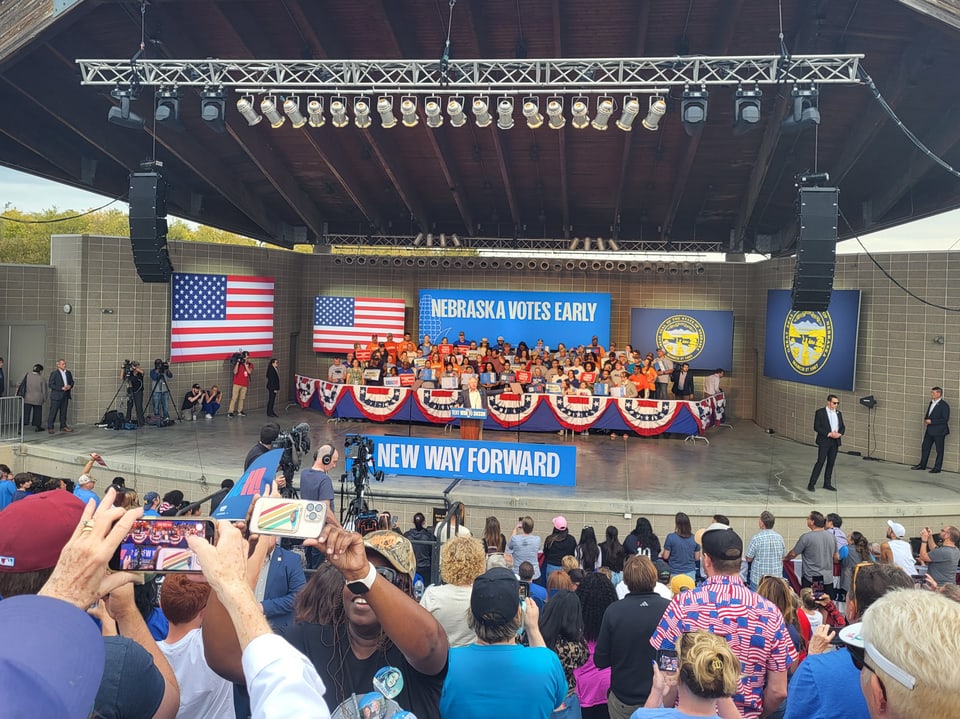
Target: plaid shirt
[[766, 549], [753, 627]]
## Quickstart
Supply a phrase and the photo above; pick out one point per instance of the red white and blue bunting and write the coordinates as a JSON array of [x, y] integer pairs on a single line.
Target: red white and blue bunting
[[306, 388], [575, 412], [435, 404], [378, 404], [648, 416], [510, 409]]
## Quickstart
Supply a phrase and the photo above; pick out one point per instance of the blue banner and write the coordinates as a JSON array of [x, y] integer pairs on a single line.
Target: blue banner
[[817, 348], [568, 317], [254, 481], [487, 461], [702, 338]]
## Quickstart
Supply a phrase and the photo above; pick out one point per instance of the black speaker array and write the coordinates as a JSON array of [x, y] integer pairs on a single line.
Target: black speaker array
[[148, 226], [816, 249]]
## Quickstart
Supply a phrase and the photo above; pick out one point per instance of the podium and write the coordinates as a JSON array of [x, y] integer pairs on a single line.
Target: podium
[[471, 421]]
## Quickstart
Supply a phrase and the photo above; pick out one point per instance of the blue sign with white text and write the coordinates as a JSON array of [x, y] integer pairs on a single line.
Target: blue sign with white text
[[254, 481], [701, 338], [816, 348], [487, 461], [569, 317]]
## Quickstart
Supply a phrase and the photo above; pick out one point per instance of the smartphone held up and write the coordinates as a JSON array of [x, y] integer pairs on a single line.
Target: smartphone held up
[[294, 518], [159, 544]]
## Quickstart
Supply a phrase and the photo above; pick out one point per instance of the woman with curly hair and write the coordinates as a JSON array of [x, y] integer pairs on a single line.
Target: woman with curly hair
[[561, 625], [462, 560], [596, 593]]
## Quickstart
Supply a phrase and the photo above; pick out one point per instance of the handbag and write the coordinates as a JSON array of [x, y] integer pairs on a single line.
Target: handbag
[[22, 388]]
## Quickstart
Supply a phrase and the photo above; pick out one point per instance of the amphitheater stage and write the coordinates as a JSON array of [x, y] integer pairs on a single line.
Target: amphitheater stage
[[741, 472]]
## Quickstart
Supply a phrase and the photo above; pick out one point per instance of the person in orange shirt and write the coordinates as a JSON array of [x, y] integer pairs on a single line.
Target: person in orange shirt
[[407, 346], [374, 343], [650, 375], [392, 348]]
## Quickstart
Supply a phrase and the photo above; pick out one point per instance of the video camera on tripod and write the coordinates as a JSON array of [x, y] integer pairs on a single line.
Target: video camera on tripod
[[127, 369], [362, 466], [294, 443]]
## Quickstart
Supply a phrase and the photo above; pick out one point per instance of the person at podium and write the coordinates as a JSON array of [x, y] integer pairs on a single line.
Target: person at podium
[[472, 397]]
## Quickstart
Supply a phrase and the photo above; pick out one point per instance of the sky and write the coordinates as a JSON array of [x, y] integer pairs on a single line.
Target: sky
[[28, 193]]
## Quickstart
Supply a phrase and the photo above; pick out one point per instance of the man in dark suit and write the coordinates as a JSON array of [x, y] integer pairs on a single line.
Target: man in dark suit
[[473, 396], [61, 384], [938, 414], [828, 424]]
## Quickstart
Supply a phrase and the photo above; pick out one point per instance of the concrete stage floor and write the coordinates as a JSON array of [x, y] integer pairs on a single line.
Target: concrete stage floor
[[740, 473]]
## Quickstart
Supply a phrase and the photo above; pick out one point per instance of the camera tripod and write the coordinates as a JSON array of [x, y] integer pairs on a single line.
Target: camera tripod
[[358, 505], [162, 386]]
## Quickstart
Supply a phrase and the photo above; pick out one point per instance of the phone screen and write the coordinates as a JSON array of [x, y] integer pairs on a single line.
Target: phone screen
[[524, 590], [816, 584], [667, 660], [159, 544], [919, 581]]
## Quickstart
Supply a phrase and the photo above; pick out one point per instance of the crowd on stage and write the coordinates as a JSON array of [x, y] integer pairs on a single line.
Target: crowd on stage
[[589, 369], [548, 624]]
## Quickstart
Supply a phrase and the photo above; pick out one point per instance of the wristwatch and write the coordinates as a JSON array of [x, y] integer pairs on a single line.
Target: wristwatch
[[362, 586]]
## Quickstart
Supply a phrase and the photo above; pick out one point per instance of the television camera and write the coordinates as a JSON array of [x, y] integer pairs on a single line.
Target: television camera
[[294, 443], [240, 356], [362, 466]]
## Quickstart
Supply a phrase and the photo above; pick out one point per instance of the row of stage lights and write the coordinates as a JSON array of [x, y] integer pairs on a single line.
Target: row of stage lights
[[456, 111], [443, 240], [277, 109], [672, 269]]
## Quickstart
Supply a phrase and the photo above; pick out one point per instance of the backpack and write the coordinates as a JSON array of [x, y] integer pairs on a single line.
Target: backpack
[[112, 420]]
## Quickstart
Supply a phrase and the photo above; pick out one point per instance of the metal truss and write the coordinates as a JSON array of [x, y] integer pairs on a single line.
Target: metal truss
[[412, 77], [473, 246]]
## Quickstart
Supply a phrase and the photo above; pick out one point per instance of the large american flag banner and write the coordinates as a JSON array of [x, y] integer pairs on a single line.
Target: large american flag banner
[[216, 315], [338, 322]]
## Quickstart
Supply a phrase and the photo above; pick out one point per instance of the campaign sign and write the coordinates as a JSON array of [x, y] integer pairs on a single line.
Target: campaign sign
[[568, 317], [702, 338], [254, 481], [487, 461], [816, 348]]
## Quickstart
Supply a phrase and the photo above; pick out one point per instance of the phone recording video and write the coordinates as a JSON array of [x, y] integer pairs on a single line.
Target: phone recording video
[[159, 544], [919, 581], [524, 591], [667, 660], [816, 584]]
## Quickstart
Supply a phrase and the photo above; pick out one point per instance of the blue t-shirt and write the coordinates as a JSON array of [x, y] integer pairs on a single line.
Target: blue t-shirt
[[507, 681], [826, 686], [681, 551], [7, 490], [664, 713], [85, 495]]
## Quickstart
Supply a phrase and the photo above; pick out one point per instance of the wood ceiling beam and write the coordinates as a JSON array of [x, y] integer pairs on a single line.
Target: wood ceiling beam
[[643, 24], [943, 10], [383, 150], [944, 136], [731, 17], [477, 21]]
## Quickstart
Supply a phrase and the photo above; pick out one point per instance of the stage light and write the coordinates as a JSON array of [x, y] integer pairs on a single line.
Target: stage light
[[661, 268], [429, 239], [631, 108], [673, 269], [361, 113], [455, 239], [806, 112], [531, 111], [579, 118], [574, 243], [481, 111], [693, 109], [385, 109], [655, 112], [586, 244], [122, 115], [601, 244], [268, 106], [455, 111], [505, 113], [700, 269], [555, 113], [604, 111], [418, 240], [612, 244], [315, 112], [338, 111], [408, 109], [291, 108], [443, 239], [213, 109], [869, 401], [746, 110], [648, 268], [245, 108], [434, 116], [167, 109]]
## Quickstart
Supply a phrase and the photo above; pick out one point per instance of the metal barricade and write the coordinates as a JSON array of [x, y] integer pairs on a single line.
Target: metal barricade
[[11, 419]]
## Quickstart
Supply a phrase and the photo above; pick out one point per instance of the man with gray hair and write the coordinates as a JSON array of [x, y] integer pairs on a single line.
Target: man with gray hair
[[765, 551]]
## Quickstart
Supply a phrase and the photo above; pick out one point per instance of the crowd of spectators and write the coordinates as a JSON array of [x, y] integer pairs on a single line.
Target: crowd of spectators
[[703, 624], [589, 369]]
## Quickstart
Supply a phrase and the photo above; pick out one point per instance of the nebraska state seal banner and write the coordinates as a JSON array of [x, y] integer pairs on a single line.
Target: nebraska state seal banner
[[817, 348], [702, 338]]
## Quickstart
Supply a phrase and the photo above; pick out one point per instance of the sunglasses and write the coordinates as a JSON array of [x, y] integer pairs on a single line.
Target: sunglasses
[[392, 576], [859, 655]]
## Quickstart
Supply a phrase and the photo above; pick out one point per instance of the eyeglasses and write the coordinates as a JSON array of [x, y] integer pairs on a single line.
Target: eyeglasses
[[853, 581], [392, 576]]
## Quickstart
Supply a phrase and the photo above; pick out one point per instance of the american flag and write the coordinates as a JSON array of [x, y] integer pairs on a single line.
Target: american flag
[[338, 322], [217, 315]]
